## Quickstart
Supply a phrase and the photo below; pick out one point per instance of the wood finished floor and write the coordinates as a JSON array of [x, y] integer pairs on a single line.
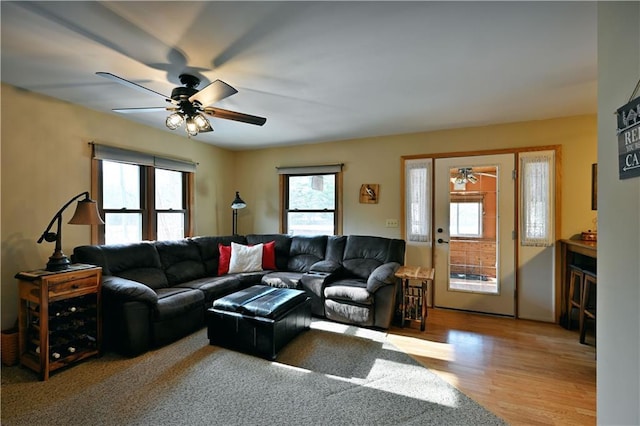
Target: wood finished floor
[[527, 372]]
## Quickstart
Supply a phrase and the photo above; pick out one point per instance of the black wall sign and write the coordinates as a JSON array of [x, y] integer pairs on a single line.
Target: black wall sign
[[629, 139]]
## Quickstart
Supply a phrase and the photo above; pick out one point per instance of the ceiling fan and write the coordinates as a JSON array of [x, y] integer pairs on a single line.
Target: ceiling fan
[[189, 105], [468, 175]]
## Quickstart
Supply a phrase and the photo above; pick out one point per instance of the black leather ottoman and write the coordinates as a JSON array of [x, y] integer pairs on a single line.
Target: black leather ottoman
[[259, 319]]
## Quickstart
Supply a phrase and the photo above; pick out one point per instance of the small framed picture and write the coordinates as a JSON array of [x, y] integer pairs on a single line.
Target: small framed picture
[[369, 193]]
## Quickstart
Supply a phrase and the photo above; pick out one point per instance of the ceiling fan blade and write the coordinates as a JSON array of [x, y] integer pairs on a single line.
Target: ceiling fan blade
[[130, 84], [236, 116], [134, 110], [212, 93]]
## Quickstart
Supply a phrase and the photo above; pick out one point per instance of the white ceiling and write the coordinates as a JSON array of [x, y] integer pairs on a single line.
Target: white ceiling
[[319, 71]]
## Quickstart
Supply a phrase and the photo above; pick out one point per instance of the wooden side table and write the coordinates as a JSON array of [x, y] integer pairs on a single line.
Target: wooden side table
[[414, 298], [59, 317]]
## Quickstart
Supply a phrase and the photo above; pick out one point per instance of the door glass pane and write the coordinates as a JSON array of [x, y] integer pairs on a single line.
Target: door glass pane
[[170, 226], [473, 224], [312, 192], [120, 186], [168, 190], [466, 219], [310, 223], [122, 228]]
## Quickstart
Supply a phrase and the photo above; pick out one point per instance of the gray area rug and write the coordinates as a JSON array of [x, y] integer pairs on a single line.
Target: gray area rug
[[330, 375]]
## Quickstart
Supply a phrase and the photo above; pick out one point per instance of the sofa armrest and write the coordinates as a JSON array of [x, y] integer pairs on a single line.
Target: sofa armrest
[[381, 276], [325, 266], [128, 290]]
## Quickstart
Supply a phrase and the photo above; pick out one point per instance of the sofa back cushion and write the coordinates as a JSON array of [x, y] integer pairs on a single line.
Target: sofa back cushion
[[335, 248], [92, 255], [180, 260], [363, 254], [305, 251], [282, 246], [209, 253], [137, 262]]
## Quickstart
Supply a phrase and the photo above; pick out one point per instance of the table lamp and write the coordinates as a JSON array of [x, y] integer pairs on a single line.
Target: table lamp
[[86, 214]]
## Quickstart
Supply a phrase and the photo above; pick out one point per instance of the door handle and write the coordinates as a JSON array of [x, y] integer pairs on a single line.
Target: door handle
[[441, 241]]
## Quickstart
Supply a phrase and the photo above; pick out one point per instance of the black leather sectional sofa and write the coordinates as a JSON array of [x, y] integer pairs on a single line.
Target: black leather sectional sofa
[[156, 292]]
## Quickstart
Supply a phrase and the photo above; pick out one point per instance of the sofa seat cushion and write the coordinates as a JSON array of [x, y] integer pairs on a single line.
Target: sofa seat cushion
[[351, 291], [215, 287], [250, 278], [282, 279], [174, 302]]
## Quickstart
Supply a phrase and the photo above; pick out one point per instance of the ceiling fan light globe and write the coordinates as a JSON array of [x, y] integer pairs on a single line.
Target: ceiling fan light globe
[[174, 121], [202, 123], [191, 126]]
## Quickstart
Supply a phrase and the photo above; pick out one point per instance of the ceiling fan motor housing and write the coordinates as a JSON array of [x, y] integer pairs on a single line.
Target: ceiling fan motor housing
[[181, 93]]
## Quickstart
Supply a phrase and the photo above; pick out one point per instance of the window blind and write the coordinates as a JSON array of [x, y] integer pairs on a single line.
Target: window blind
[[121, 155], [310, 170]]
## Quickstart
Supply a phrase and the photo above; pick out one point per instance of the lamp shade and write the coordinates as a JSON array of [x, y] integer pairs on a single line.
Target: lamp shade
[[86, 213], [238, 203]]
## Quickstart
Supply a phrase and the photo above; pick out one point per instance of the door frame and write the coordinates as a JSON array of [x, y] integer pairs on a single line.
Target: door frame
[[516, 151]]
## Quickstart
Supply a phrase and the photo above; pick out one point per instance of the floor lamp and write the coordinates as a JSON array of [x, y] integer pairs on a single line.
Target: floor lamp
[[235, 206]]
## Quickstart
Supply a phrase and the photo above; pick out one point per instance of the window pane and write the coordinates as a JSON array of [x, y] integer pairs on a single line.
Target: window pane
[[310, 223], [170, 226], [122, 228], [121, 185], [312, 192], [466, 219], [168, 190]]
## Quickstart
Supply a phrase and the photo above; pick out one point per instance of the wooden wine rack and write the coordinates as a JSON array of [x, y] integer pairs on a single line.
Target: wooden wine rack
[[59, 317]]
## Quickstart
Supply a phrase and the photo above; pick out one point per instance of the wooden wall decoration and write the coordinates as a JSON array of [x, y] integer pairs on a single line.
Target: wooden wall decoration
[[369, 193]]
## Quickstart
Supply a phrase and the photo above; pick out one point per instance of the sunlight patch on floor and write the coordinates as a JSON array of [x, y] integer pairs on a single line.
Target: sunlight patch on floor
[[424, 348], [349, 330], [412, 383]]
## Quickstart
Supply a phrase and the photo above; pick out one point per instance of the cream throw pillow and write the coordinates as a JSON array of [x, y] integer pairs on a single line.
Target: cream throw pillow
[[245, 258]]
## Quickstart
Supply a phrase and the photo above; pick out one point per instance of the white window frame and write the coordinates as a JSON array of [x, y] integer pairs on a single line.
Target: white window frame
[[462, 199], [330, 169]]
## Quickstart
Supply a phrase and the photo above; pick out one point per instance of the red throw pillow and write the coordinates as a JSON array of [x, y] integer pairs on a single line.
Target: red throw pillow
[[269, 256], [224, 259]]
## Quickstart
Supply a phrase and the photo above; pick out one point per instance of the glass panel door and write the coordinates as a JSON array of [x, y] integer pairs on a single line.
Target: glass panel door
[[474, 220]]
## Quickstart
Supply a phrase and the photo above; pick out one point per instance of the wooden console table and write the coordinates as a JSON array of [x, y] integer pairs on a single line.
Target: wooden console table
[[568, 251], [414, 306]]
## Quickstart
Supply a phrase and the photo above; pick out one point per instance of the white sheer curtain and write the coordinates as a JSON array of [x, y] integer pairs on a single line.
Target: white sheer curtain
[[536, 201], [418, 175]]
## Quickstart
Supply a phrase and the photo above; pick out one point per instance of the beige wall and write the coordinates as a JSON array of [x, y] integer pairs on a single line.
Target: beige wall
[[377, 160], [46, 161], [618, 323]]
